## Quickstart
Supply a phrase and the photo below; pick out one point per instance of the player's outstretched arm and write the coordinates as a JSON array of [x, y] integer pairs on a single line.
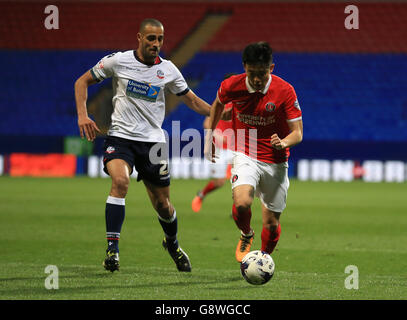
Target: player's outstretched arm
[[87, 127], [216, 113], [226, 115], [292, 139], [196, 103]]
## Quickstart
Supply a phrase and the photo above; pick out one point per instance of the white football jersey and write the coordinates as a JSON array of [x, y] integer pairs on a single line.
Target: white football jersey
[[138, 94]]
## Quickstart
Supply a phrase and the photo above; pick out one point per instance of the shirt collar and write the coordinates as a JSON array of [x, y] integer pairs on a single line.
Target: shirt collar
[[251, 89], [156, 61]]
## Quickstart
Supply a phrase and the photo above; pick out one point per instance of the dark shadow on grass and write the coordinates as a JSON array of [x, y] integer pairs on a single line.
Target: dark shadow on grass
[[130, 278], [80, 274], [21, 278], [98, 287]]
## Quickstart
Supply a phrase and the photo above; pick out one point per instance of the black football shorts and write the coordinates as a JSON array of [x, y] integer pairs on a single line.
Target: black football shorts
[[137, 155]]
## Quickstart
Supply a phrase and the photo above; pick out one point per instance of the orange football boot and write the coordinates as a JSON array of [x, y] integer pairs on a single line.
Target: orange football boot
[[196, 203], [243, 246]]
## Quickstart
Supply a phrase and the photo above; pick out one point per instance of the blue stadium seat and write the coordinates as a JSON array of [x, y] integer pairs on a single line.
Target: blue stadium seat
[[358, 97], [344, 96]]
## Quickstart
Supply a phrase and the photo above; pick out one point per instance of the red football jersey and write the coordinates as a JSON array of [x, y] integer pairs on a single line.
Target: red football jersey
[[256, 115]]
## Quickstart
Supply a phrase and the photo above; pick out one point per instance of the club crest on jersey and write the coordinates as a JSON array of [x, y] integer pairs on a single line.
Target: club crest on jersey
[[160, 74], [142, 90], [110, 149], [100, 64], [270, 106], [234, 178]]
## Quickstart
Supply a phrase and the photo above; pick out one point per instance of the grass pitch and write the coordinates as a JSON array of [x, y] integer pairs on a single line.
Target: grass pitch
[[325, 228]]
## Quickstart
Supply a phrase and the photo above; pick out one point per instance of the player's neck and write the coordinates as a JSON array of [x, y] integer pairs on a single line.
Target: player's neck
[[139, 57]]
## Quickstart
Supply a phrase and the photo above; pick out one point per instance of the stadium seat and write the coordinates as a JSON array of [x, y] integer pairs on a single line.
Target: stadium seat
[[350, 83], [343, 96]]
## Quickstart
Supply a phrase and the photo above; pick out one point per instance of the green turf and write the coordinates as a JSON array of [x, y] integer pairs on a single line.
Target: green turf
[[326, 227]]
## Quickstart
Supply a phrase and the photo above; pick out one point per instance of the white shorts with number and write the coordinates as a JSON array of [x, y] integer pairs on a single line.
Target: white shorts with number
[[219, 168], [270, 180]]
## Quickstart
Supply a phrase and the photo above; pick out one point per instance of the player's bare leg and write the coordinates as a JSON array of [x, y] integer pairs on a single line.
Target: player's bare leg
[[271, 229], [243, 196], [160, 199], [119, 171]]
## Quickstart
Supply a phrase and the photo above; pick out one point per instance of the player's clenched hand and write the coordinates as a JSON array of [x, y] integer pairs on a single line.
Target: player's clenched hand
[[226, 115], [87, 128], [277, 143]]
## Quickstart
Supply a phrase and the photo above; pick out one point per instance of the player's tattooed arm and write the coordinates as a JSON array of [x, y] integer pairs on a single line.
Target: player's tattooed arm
[[195, 103], [87, 127]]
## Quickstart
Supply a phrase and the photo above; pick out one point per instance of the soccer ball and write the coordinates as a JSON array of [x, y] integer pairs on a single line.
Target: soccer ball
[[257, 267]]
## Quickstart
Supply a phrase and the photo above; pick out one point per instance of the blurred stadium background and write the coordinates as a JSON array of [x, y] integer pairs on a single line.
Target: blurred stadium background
[[351, 84]]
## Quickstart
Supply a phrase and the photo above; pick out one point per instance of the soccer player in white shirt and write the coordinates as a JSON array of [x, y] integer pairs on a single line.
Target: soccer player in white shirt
[[139, 79]]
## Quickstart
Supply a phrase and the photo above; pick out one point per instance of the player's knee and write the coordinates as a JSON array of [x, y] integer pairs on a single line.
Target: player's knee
[[219, 182], [272, 222], [163, 208], [272, 225], [242, 205]]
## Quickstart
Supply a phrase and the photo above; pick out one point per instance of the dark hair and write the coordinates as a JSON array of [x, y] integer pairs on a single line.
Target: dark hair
[[258, 53], [151, 22]]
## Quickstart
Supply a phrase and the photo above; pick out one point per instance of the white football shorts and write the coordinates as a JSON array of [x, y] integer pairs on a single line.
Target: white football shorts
[[270, 180]]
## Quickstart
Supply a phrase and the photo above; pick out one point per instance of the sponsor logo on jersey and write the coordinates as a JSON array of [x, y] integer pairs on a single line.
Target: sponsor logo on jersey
[[254, 120], [270, 106], [142, 90], [234, 179], [160, 74]]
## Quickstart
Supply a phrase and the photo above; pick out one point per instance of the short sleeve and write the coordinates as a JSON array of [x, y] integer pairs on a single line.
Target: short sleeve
[[178, 85], [105, 67], [292, 106]]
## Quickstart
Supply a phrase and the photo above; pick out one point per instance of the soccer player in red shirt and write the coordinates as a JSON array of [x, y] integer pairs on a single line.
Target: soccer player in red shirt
[[267, 121]]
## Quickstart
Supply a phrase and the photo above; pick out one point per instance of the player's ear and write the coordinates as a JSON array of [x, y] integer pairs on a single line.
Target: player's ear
[[271, 68], [139, 36], [244, 67]]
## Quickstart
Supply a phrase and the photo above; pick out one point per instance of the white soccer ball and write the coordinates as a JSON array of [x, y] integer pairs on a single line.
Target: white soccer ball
[[257, 267]]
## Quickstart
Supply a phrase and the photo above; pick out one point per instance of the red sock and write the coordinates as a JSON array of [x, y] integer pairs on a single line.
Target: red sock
[[269, 239], [208, 188], [242, 219]]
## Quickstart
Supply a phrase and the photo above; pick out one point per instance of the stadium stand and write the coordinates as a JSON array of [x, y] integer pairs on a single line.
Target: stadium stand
[[351, 83], [314, 27], [87, 25], [344, 96]]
